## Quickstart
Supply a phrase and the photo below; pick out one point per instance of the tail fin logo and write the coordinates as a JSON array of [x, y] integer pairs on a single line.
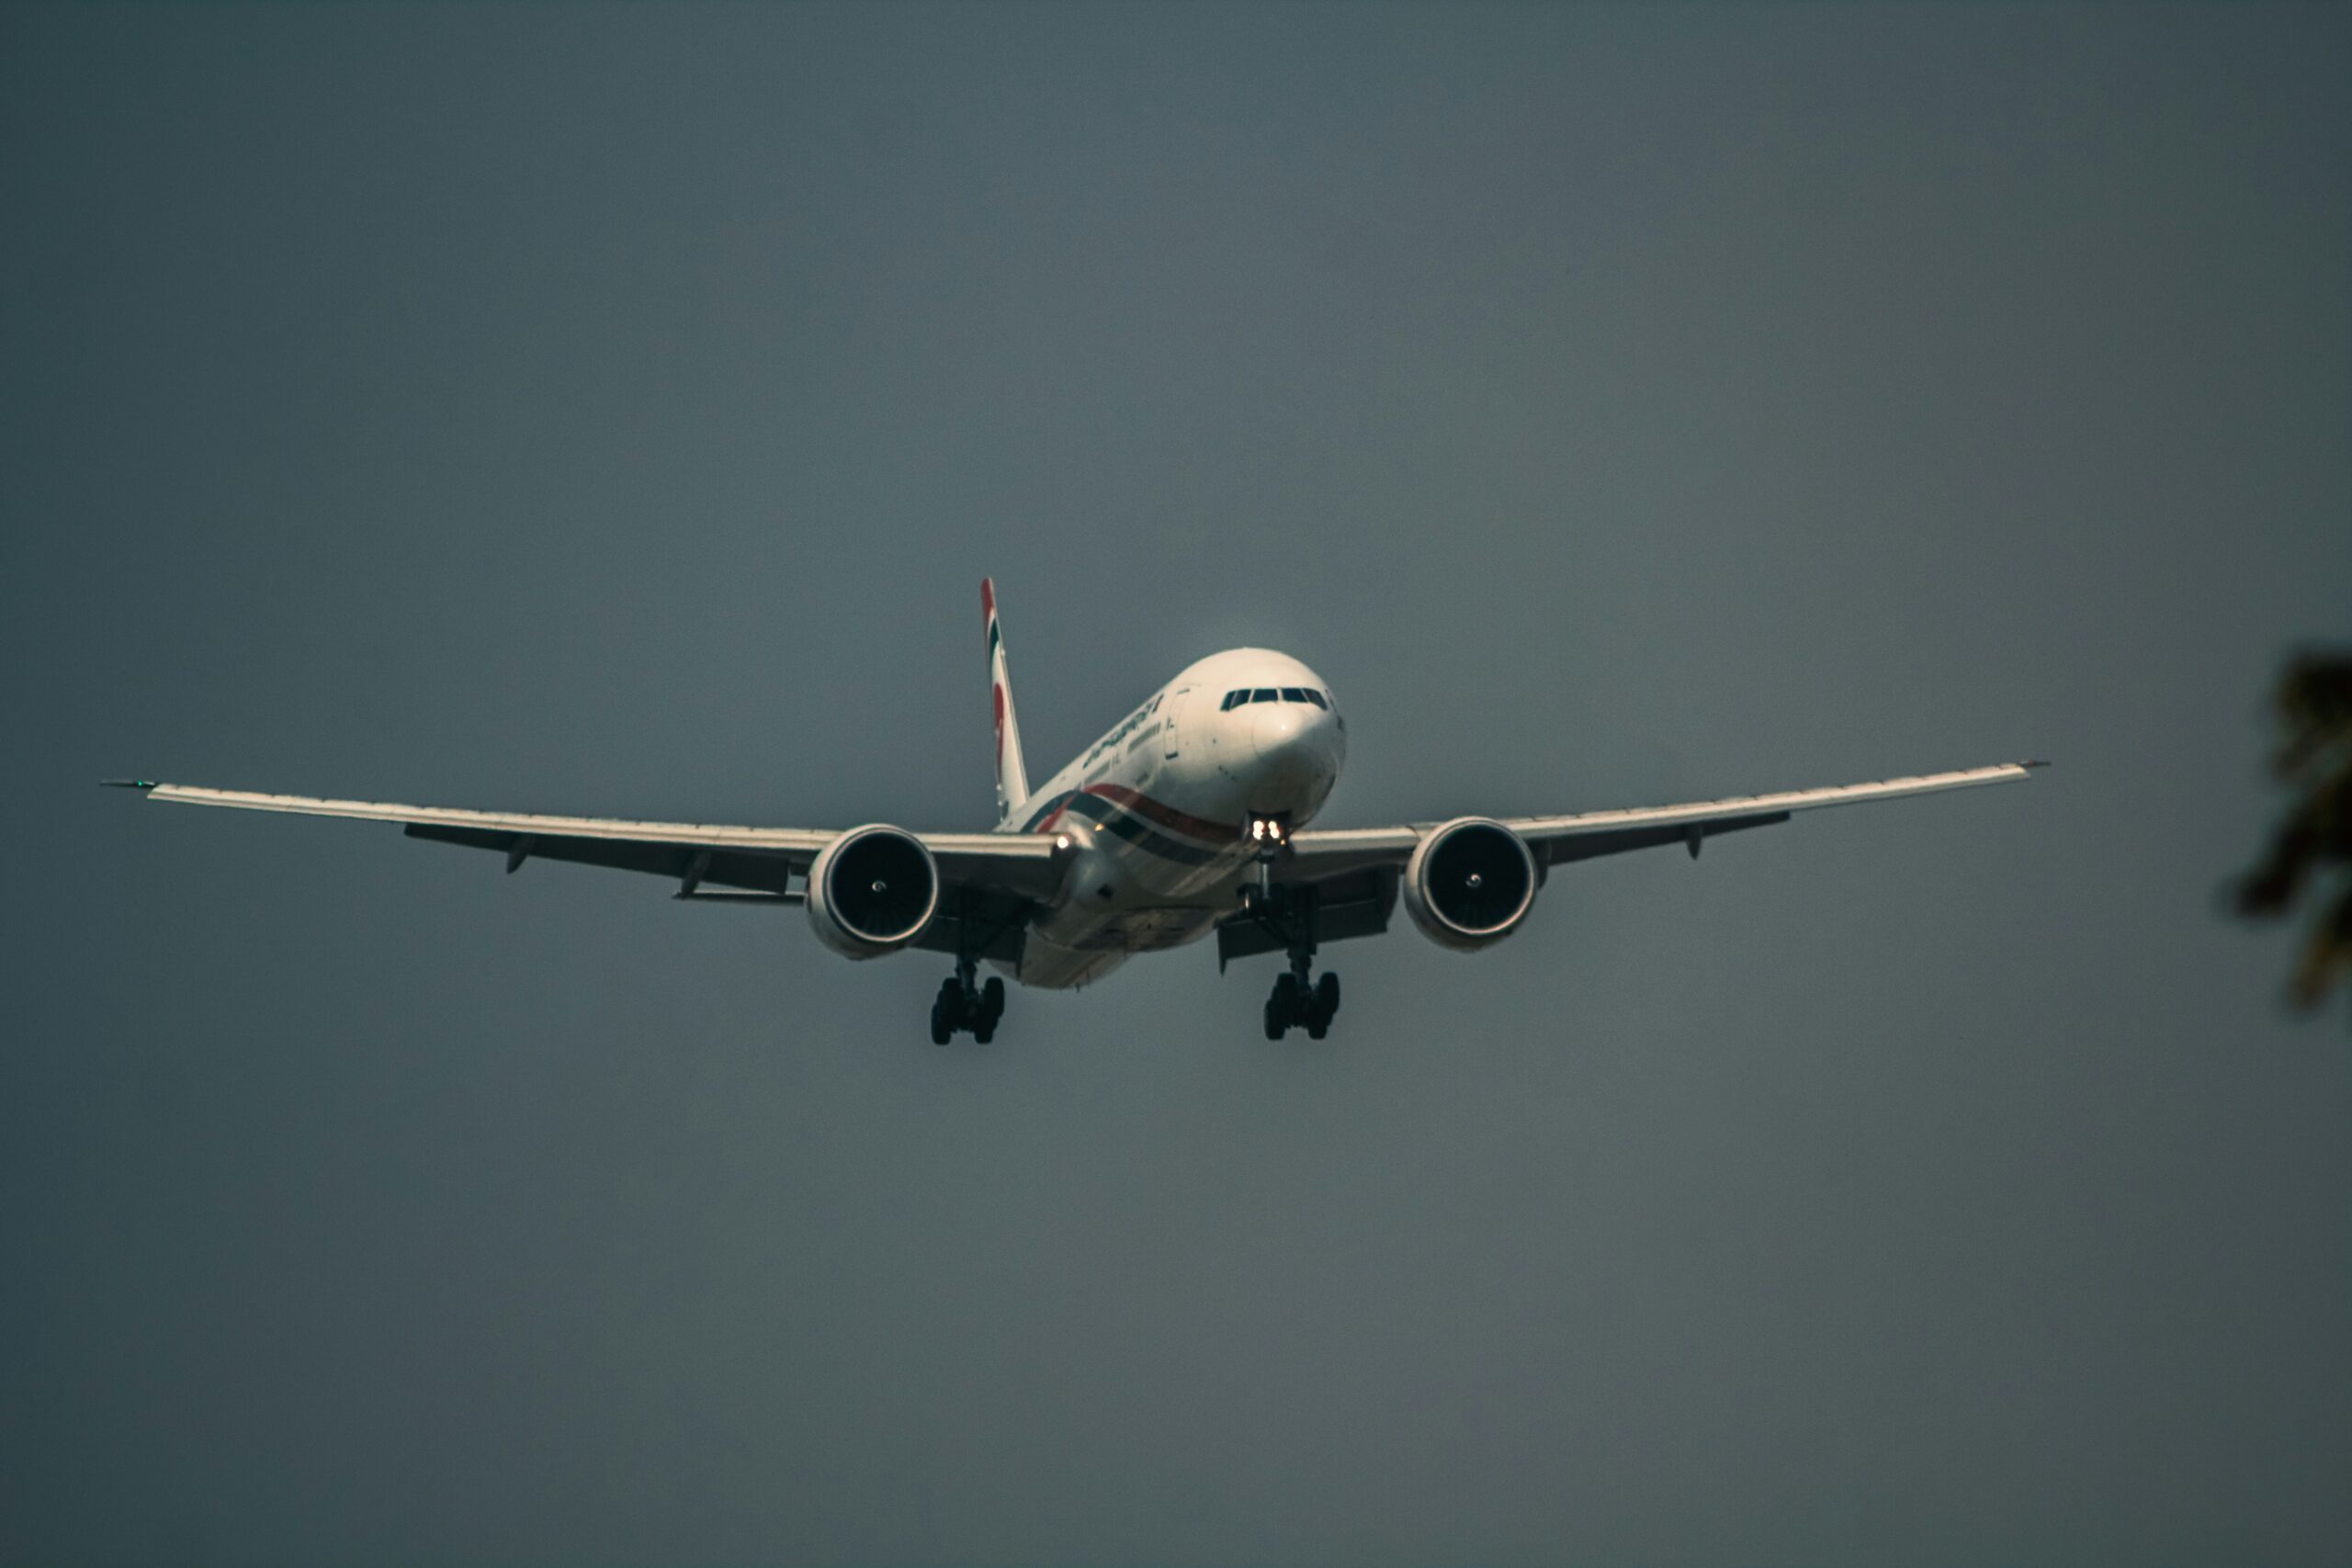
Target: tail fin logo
[[1011, 777], [996, 680]]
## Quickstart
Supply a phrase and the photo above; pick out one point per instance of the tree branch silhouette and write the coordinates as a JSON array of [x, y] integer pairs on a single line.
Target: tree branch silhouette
[[2310, 852]]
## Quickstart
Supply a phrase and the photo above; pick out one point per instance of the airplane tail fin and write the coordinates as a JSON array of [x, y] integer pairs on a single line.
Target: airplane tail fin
[[1011, 778]]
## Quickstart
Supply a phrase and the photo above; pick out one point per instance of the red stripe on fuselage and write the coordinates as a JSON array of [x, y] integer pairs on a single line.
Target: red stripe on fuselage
[[1167, 815], [1151, 810]]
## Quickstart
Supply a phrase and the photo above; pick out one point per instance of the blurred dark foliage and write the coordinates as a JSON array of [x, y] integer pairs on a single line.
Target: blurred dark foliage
[[2314, 843]]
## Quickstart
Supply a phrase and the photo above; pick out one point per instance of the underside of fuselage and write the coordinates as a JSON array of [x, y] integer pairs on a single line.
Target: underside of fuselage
[[1108, 942]]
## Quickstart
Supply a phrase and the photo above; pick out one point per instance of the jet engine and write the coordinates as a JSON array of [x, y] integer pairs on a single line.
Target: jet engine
[[1470, 883], [872, 891]]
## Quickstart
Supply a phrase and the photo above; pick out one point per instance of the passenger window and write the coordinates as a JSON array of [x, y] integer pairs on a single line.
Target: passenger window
[[1264, 694]]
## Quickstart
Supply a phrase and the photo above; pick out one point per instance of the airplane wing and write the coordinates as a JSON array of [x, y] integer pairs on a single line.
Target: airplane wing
[[1002, 868], [1316, 854]]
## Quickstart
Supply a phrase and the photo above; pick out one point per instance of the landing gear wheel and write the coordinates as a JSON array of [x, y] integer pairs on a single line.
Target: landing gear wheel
[[1322, 1003], [962, 1005], [1282, 1007], [986, 1008], [948, 1012]]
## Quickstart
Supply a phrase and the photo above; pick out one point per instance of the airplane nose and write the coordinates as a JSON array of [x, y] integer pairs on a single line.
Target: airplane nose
[[1276, 728], [1296, 744]]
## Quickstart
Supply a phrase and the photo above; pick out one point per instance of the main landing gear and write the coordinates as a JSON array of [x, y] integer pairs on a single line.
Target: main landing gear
[[963, 1005]]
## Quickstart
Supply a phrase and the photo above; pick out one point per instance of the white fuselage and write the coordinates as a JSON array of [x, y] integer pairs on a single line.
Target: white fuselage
[[1159, 811]]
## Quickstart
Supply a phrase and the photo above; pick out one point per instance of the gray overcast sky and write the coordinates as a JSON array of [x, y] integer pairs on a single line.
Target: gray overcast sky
[[614, 411]]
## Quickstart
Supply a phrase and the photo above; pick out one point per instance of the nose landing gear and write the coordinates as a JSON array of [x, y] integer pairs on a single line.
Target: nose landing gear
[[964, 1005], [1299, 1000], [1287, 915]]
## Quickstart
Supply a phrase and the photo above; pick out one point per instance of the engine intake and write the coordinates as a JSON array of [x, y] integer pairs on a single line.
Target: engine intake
[[872, 891], [1470, 883]]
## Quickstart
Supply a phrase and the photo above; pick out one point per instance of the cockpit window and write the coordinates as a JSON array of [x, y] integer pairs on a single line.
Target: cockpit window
[[1277, 695]]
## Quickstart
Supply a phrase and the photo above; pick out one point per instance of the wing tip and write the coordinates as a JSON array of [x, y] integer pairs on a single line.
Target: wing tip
[[2035, 763], [139, 784]]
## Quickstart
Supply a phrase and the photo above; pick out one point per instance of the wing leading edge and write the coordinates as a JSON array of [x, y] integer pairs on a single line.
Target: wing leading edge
[[1318, 854], [761, 859]]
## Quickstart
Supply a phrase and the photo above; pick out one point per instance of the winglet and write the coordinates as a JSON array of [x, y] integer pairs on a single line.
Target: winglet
[[127, 784], [2034, 762]]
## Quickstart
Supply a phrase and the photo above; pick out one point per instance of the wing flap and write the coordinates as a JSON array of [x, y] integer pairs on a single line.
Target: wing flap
[[1617, 840], [727, 868]]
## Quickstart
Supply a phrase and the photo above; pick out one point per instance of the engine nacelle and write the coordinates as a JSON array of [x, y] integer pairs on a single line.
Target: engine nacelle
[[872, 891], [1470, 883]]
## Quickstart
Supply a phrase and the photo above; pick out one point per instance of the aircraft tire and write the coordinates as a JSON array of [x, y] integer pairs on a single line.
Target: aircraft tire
[[1327, 996], [1281, 1007], [940, 1032], [992, 999]]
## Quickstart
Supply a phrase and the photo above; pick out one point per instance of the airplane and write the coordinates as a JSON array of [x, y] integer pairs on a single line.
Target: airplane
[[1189, 818]]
